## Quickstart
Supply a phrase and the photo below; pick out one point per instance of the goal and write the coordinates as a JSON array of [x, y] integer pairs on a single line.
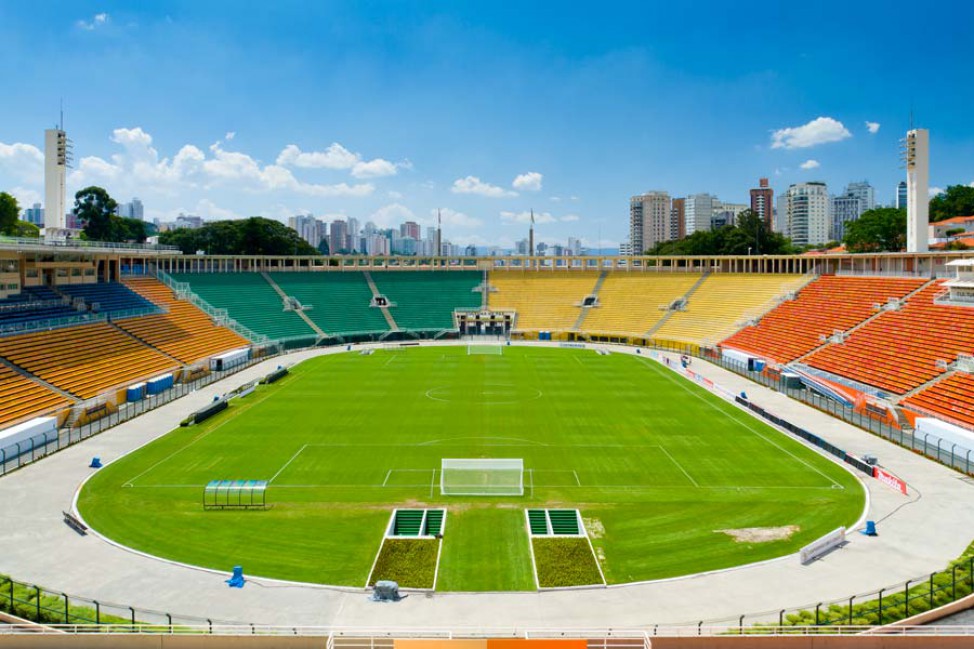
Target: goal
[[490, 349], [481, 477]]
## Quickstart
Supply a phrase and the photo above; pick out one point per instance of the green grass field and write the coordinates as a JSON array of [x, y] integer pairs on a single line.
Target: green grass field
[[658, 467]]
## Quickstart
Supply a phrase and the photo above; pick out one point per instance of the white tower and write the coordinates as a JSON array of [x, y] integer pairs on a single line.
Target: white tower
[[917, 190], [57, 155]]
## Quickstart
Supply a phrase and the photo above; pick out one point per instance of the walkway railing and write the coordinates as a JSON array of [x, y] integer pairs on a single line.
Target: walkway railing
[[221, 316], [41, 242]]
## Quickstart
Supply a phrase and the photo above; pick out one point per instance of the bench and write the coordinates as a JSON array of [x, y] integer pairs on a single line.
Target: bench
[[74, 523]]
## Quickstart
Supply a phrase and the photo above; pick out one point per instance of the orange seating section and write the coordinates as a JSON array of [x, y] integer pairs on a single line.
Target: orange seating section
[[85, 360], [952, 398], [822, 307], [899, 350], [21, 397], [184, 332]]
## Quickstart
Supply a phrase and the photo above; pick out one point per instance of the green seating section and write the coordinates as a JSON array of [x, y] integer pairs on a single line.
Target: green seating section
[[339, 301], [434, 522], [538, 522], [249, 300], [425, 300], [563, 521], [407, 522]]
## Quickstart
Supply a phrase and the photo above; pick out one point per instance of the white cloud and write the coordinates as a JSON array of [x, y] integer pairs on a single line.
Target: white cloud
[[98, 20], [818, 131], [935, 190], [570, 218], [26, 197], [528, 182], [338, 157], [555, 199], [23, 162], [525, 217], [391, 215], [873, 127], [230, 135], [210, 210], [453, 218], [394, 195], [810, 164], [473, 185]]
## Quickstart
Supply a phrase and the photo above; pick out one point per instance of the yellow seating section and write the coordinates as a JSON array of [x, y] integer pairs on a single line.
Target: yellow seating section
[[630, 303], [543, 300], [720, 303], [21, 398], [185, 332], [85, 360]]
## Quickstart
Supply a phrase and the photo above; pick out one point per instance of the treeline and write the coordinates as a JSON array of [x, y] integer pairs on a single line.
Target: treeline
[[749, 235], [252, 236]]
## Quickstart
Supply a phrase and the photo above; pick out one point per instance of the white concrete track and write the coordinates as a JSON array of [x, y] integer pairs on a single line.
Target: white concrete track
[[919, 534]]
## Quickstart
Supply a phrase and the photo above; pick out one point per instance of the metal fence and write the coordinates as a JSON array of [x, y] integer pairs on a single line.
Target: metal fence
[[35, 448]]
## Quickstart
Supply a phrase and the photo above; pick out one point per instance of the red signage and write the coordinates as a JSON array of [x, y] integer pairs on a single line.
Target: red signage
[[889, 479]]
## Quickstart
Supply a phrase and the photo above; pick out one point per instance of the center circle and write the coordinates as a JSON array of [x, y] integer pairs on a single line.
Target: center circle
[[494, 394]]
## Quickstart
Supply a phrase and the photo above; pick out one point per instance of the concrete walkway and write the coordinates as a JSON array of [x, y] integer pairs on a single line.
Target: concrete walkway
[[919, 533]]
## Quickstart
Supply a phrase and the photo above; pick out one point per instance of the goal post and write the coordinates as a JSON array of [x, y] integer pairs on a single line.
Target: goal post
[[482, 477], [488, 349]]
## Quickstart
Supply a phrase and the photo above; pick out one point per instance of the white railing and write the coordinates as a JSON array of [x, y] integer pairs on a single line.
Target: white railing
[[41, 242], [221, 316]]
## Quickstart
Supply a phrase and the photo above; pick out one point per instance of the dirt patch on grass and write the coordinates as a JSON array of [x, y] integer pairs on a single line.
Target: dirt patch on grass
[[594, 527], [761, 534]]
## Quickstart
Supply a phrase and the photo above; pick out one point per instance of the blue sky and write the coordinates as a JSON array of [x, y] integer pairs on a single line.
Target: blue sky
[[385, 111]]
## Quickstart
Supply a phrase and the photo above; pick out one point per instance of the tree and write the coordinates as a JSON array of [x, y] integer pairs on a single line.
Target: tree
[[9, 213], [749, 235], [879, 230], [323, 247], [126, 229], [95, 210], [24, 230], [958, 200], [253, 236]]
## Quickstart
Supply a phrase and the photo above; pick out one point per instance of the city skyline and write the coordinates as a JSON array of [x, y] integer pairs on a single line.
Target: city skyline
[[398, 114]]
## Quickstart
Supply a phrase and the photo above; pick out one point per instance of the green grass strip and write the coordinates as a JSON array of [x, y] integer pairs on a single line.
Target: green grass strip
[[411, 563], [565, 562]]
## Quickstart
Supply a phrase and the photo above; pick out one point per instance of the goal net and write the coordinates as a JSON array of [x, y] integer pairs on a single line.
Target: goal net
[[479, 477], [485, 348]]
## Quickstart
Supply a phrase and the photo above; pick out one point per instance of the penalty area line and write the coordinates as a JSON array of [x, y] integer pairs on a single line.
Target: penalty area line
[[286, 464]]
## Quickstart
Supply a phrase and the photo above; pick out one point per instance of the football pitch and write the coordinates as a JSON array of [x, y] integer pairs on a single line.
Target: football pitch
[[669, 479]]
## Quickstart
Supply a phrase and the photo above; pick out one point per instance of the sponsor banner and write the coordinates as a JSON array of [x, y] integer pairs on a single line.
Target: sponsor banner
[[889, 479]]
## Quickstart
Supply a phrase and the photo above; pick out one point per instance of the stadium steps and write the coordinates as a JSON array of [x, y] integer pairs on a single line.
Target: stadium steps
[[24, 396], [595, 291], [865, 322], [143, 341], [923, 386], [951, 399], [284, 296], [384, 309], [434, 522], [685, 297], [408, 522], [425, 300], [33, 377], [538, 522], [563, 521]]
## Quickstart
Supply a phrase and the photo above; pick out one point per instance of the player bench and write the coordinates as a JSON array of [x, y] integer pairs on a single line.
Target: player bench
[[74, 523]]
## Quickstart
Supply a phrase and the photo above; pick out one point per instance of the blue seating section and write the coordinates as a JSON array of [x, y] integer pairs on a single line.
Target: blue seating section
[[111, 297], [32, 304]]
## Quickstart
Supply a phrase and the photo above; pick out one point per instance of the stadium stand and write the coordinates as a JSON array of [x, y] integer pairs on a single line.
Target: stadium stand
[[951, 399], [20, 397], [630, 303], [829, 304], [110, 297], [542, 300], [84, 360], [425, 300], [339, 302], [249, 300], [185, 332], [899, 350], [33, 304], [720, 303]]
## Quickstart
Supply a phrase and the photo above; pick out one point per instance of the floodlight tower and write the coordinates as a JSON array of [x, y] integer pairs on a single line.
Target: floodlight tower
[[917, 154], [57, 159]]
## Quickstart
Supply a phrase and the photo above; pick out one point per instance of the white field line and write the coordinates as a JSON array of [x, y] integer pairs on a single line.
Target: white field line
[[243, 409], [388, 473], [577, 481], [746, 424], [679, 466], [534, 562], [286, 464], [432, 483]]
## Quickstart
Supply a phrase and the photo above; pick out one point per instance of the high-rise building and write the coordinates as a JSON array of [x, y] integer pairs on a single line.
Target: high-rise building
[[136, 209], [762, 202], [678, 218], [574, 246], [698, 211], [57, 156], [858, 198], [649, 220], [35, 215], [781, 215], [307, 228], [900, 203], [410, 229], [807, 206], [917, 190], [865, 192], [338, 237], [351, 237]]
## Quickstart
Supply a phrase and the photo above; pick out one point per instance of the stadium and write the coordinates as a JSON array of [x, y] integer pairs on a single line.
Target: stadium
[[649, 449]]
